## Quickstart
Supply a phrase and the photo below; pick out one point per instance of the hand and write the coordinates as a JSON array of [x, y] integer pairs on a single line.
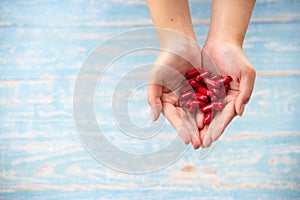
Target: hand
[[165, 79], [228, 59]]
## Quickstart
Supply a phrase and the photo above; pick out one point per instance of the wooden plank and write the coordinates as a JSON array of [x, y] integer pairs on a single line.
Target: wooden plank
[[42, 47], [70, 13], [25, 53], [31, 105]]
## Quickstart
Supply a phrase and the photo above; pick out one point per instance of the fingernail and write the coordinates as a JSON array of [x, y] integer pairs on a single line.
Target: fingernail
[[155, 111], [152, 114], [242, 109], [206, 143]]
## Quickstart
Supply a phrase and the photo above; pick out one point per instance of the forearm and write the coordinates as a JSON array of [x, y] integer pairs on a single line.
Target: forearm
[[229, 20], [173, 15]]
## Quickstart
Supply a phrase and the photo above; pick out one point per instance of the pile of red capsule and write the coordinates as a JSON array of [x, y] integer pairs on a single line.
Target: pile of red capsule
[[202, 91]]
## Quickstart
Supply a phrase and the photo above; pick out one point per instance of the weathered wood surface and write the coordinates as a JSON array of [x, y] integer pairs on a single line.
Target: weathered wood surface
[[42, 47]]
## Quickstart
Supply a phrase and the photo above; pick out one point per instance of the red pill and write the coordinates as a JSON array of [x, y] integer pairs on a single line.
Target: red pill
[[197, 104], [188, 81], [192, 109], [208, 107], [185, 89], [199, 97], [219, 106], [204, 91], [225, 79], [185, 96], [205, 74], [207, 118], [215, 91], [216, 77], [213, 98], [193, 73], [214, 106], [195, 84], [211, 83], [187, 104], [198, 78]]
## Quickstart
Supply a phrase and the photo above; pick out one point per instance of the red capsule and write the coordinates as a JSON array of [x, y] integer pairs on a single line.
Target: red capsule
[[187, 104], [195, 84], [193, 72], [219, 106], [211, 83], [214, 106], [187, 81], [197, 104], [185, 89], [185, 96], [207, 108], [204, 91], [216, 77], [205, 74], [198, 78], [215, 91], [213, 98], [192, 109], [225, 79], [199, 97], [207, 118]]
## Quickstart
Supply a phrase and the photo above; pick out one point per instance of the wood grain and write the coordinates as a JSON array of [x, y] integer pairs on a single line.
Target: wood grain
[[43, 45]]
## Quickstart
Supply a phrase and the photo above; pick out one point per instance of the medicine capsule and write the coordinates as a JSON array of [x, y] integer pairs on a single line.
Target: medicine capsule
[[205, 74], [197, 104], [192, 109], [187, 104], [185, 96], [204, 91], [219, 106], [216, 91], [207, 108], [193, 73], [207, 118], [185, 89], [225, 79], [211, 83], [195, 84], [199, 97], [216, 77], [213, 98]]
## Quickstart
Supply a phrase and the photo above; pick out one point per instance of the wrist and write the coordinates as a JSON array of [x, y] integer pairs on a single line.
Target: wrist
[[181, 46], [215, 44]]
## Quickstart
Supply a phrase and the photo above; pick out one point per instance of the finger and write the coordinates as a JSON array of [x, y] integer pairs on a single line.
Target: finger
[[193, 129], [196, 140], [218, 125], [154, 95], [202, 137], [199, 120], [245, 88], [221, 121], [176, 117]]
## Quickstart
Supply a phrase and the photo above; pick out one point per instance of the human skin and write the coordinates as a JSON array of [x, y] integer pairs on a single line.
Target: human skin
[[222, 51]]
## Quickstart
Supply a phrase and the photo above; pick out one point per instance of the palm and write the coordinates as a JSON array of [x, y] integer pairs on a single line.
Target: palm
[[168, 72], [228, 61]]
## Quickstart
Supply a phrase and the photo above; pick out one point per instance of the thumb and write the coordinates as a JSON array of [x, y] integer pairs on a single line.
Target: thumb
[[154, 96], [245, 90]]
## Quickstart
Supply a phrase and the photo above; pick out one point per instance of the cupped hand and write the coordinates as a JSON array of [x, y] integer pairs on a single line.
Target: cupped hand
[[228, 60], [165, 80]]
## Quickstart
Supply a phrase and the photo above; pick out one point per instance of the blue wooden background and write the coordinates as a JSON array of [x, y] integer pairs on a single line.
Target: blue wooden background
[[43, 45]]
